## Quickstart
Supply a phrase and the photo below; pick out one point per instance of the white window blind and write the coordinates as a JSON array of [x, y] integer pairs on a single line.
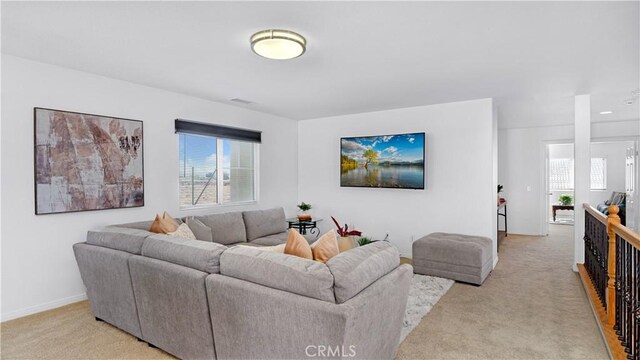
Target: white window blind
[[598, 174], [561, 176]]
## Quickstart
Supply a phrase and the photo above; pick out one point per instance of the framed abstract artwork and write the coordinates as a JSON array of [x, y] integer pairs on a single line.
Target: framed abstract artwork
[[86, 162]]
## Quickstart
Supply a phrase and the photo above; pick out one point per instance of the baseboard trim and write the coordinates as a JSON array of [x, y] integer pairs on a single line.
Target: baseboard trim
[[42, 307], [495, 262]]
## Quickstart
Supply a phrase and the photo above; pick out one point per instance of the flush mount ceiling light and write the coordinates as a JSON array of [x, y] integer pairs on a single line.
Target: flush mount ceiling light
[[606, 112], [278, 44]]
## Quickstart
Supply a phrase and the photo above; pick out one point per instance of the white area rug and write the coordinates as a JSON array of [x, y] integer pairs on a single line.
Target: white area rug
[[424, 293]]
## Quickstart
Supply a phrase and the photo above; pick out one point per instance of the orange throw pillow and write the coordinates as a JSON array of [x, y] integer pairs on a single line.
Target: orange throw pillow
[[169, 219], [297, 245], [326, 247], [164, 224]]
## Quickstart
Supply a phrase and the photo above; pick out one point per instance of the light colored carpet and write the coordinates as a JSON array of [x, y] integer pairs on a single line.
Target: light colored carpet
[[532, 306], [70, 332], [425, 292]]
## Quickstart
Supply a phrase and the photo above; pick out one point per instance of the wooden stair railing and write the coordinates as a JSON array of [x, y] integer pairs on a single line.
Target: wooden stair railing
[[610, 277]]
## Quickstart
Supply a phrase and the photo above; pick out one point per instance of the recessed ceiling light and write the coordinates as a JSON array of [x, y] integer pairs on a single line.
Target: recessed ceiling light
[[629, 101], [606, 112], [278, 44]]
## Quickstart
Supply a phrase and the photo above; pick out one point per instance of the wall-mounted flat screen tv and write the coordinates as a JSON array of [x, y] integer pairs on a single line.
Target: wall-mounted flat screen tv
[[385, 161]]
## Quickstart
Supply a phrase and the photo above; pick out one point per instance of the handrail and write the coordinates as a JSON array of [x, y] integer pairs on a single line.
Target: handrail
[[627, 235], [597, 271], [597, 214]]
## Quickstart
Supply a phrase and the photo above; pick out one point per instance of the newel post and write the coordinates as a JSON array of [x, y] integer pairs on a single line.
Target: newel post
[[611, 265]]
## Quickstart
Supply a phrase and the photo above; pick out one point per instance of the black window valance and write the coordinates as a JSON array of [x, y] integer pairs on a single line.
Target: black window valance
[[198, 128]]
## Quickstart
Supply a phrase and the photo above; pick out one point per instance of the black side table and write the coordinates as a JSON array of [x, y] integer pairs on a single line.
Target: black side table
[[305, 225]]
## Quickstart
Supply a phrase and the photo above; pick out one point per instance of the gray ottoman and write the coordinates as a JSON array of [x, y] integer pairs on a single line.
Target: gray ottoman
[[453, 256]]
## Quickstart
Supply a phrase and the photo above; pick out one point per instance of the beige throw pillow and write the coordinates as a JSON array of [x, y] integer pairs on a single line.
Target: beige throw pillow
[[297, 245], [325, 247], [183, 231], [164, 224]]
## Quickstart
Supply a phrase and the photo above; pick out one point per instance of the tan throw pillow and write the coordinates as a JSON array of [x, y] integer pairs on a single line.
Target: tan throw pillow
[[170, 220], [164, 224], [325, 247], [297, 245], [183, 231]]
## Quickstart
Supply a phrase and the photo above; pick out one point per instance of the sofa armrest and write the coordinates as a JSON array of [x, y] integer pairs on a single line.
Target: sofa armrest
[[252, 321], [387, 299]]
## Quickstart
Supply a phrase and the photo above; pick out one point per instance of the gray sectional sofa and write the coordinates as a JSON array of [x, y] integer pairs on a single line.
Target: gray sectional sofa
[[204, 300]]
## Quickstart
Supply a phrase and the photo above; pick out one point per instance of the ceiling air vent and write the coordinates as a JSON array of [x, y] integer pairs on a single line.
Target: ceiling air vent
[[241, 101]]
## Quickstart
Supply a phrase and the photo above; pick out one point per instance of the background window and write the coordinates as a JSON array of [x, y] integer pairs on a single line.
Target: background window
[[216, 171], [198, 170], [561, 174], [239, 173], [598, 174]]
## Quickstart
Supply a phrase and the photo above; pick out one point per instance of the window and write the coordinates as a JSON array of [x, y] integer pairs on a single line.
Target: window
[[561, 174], [198, 170], [598, 174], [215, 170]]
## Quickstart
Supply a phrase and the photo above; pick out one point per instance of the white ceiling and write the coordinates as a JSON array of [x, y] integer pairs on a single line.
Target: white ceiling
[[532, 57]]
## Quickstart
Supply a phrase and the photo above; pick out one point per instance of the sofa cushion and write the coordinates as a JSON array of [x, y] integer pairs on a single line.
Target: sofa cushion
[[260, 223], [279, 271], [270, 240], [200, 230], [227, 228], [119, 238], [140, 225], [356, 269], [196, 254], [273, 248]]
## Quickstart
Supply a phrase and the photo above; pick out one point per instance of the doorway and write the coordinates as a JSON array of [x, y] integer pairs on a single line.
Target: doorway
[[559, 184]]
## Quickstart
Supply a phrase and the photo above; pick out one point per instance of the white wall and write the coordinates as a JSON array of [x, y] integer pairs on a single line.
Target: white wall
[[38, 267], [460, 194], [521, 164]]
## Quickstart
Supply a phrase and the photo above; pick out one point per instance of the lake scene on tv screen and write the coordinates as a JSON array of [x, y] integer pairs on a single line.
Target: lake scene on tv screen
[[389, 161]]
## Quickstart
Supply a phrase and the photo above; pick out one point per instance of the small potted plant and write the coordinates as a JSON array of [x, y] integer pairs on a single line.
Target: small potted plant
[[304, 215], [346, 236], [364, 241], [566, 199]]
